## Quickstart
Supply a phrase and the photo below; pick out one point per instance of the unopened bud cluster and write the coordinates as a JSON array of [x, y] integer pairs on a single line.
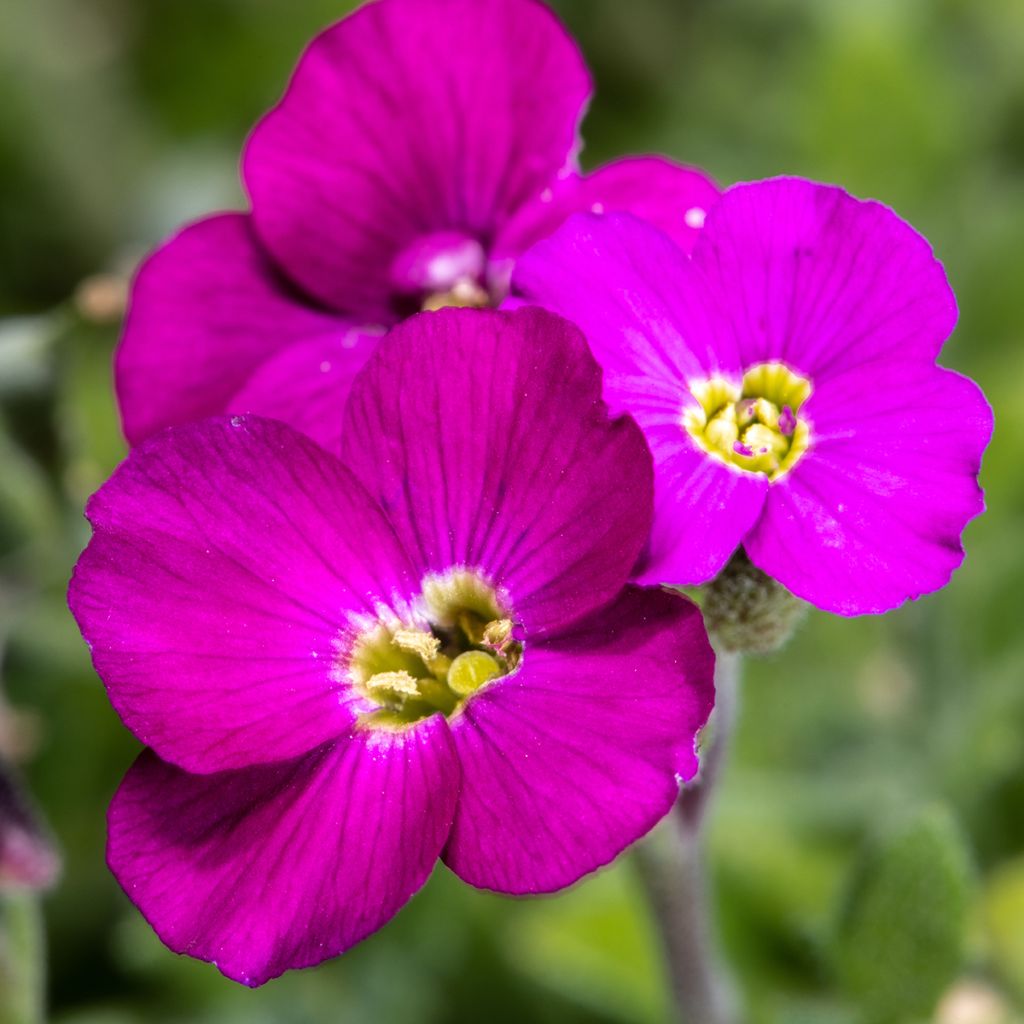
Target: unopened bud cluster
[[748, 612]]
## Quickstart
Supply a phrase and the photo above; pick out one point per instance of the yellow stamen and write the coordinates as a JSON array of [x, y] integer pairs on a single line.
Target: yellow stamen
[[753, 426], [417, 642], [465, 294], [407, 671], [392, 687], [496, 633]]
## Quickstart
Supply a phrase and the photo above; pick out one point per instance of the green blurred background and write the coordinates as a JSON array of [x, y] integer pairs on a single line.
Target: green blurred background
[[868, 845]]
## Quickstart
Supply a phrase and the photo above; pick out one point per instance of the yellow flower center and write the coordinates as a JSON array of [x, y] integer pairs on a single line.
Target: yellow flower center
[[455, 639], [463, 294], [754, 427]]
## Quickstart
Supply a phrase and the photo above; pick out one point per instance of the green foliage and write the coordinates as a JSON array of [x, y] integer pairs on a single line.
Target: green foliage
[[1003, 913], [21, 959], [901, 935], [592, 946]]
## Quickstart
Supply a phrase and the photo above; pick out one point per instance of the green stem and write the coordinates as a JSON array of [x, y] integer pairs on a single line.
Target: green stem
[[22, 959], [672, 861]]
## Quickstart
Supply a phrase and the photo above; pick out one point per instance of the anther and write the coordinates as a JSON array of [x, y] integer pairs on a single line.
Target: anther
[[496, 633], [392, 687], [415, 641]]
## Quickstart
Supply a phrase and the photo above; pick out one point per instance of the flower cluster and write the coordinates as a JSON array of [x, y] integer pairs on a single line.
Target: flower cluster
[[390, 574]]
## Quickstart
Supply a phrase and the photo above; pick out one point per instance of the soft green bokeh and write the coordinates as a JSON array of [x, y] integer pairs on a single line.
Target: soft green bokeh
[[119, 119], [903, 925]]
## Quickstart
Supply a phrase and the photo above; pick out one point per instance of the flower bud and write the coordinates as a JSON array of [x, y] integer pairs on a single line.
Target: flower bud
[[748, 612]]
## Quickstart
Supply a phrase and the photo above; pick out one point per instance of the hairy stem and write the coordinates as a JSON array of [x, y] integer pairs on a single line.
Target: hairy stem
[[672, 861]]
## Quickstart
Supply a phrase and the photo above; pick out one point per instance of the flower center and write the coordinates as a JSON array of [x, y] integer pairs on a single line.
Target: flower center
[[754, 427], [464, 293], [444, 268], [453, 640]]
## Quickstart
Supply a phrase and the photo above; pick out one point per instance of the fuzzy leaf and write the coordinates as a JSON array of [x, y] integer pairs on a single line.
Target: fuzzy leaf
[[902, 928]]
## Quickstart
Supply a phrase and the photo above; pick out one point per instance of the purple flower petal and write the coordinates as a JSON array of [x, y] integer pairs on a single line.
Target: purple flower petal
[[783, 270], [226, 559], [206, 310], [872, 515], [437, 262], [483, 436], [284, 865], [579, 754], [408, 118], [808, 275], [629, 287], [702, 510], [631, 291], [307, 383], [674, 198]]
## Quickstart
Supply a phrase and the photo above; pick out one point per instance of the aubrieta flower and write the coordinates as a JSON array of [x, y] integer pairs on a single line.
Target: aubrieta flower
[[345, 668], [419, 148], [784, 376]]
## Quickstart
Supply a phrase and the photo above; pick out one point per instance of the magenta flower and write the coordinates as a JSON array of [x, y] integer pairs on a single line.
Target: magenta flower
[[785, 379], [420, 147], [345, 669]]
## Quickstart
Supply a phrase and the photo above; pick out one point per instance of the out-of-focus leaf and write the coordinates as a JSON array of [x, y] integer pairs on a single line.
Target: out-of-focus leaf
[[890, 135], [1003, 912], [595, 945], [86, 408], [22, 959], [809, 1011], [903, 924], [29, 519], [107, 1016], [25, 352], [775, 883]]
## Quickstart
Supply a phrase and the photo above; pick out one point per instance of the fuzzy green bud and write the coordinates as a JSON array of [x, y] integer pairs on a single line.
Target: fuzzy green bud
[[748, 612]]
